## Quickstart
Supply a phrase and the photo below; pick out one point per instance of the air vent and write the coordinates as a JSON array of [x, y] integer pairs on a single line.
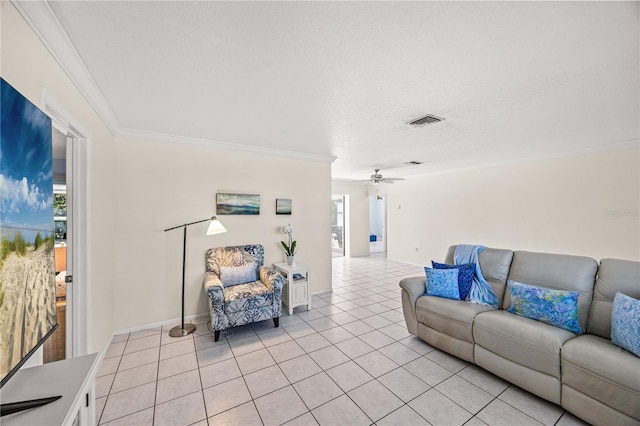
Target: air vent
[[414, 163], [423, 121]]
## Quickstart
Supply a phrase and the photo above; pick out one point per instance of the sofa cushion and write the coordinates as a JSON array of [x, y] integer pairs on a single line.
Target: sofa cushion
[[614, 276], [530, 343], [625, 323], [558, 272], [243, 297], [466, 273], [609, 374], [442, 283], [450, 317], [494, 264], [554, 307], [241, 274]]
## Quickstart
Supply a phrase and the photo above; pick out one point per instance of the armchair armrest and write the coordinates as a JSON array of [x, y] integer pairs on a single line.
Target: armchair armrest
[[412, 289], [215, 291], [272, 279]]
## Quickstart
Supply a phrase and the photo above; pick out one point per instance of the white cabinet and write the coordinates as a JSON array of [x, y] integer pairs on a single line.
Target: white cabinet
[[297, 289], [74, 379]]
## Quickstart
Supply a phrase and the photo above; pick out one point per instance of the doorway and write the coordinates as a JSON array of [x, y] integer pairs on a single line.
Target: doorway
[[71, 141], [337, 225], [55, 348], [377, 224]]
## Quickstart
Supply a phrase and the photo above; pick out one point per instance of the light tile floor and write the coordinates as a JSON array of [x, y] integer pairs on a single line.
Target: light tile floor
[[348, 361]]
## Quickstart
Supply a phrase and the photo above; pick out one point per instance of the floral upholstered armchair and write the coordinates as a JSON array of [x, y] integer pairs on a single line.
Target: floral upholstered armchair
[[240, 289]]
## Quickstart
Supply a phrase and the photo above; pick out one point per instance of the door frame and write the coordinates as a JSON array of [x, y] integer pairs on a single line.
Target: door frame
[[344, 221], [383, 219], [77, 336]]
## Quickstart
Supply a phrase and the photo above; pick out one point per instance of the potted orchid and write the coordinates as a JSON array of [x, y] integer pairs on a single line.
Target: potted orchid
[[290, 248]]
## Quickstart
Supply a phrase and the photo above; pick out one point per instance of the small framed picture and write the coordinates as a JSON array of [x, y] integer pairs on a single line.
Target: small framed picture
[[283, 205]]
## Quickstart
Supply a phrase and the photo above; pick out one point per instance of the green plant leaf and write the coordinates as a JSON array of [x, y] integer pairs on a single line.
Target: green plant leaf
[[286, 248], [293, 248]]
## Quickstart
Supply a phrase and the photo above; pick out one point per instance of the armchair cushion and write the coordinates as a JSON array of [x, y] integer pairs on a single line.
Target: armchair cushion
[[243, 297]]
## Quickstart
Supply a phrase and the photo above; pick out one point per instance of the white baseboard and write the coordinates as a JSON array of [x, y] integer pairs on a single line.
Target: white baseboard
[[155, 324]]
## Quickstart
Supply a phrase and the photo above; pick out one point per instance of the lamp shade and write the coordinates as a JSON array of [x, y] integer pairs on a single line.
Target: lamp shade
[[215, 227]]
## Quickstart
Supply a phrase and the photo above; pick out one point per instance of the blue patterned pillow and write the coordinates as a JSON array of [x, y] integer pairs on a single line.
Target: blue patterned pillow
[[554, 307], [625, 323], [234, 275], [442, 283], [466, 273]]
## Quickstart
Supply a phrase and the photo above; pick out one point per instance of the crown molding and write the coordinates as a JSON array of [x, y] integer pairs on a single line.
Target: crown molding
[[167, 138], [596, 149], [40, 17], [45, 24]]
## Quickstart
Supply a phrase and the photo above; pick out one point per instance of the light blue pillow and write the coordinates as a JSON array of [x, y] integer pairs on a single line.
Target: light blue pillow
[[466, 273], [442, 283], [234, 275], [554, 307], [625, 323]]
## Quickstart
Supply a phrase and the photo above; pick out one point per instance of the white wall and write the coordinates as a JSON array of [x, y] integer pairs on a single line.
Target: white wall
[[139, 188], [358, 217], [28, 66], [158, 186], [585, 205]]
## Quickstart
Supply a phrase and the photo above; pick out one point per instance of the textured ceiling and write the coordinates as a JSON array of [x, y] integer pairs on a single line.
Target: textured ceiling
[[514, 80]]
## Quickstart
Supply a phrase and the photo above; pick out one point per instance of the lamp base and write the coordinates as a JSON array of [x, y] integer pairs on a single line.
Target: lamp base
[[178, 331]]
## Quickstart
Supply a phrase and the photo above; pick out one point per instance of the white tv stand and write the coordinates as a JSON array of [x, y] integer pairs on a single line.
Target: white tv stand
[[74, 379]]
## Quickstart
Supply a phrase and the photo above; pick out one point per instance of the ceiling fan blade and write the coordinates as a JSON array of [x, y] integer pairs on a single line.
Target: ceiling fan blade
[[394, 179]]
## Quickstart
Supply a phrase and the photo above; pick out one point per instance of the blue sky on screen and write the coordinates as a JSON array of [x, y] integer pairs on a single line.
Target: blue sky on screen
[[26, 179]]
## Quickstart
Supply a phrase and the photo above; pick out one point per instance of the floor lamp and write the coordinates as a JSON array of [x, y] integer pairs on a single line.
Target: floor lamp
[[215, 227]]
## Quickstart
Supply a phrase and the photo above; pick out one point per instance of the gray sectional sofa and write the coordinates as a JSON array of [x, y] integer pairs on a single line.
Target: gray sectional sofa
[[586, 374]]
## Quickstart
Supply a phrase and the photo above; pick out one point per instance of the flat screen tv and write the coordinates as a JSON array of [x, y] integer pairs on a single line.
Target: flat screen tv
[[27, 264]]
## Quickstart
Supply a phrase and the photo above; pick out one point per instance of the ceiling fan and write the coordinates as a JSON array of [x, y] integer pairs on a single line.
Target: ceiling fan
[[377, 178]]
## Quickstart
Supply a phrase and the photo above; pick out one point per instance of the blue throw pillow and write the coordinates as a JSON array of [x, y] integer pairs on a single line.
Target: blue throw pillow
[[554, 307], [466, 273], [442, 283], [625, 323], [234, 275]]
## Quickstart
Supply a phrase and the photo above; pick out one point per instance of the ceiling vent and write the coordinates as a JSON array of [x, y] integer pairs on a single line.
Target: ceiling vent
[[423, 121]]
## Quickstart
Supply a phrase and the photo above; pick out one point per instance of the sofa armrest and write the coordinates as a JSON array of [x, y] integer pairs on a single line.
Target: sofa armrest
[[412, 289], [272, 279]]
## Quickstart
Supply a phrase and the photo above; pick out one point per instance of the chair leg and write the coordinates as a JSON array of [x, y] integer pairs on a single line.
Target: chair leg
[[216, 335], [276, 321]]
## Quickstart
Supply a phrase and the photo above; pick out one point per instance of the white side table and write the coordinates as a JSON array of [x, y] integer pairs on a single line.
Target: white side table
[[297, 290]]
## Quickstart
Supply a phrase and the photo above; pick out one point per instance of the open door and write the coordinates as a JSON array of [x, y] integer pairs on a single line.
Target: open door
[[337, 225], [55, 348], [77, 140], [377, 224]]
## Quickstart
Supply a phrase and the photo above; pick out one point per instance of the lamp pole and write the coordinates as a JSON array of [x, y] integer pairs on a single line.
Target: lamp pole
[[182, 329]]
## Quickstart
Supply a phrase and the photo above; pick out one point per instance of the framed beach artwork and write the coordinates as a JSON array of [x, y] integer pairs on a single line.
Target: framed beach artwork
[[237, 204], [283, 205], [27, 262]]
